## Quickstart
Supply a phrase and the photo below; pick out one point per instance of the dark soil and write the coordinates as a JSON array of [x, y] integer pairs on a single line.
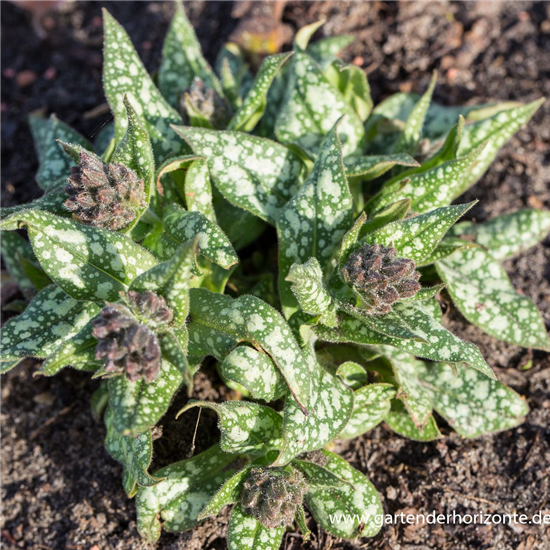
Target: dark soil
[[61, 490]]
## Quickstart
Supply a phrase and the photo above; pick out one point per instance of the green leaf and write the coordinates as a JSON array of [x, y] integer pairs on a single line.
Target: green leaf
[[137, 406], [246, 533], [352, 374], [6, 366], [371, 405], [245, 427], [255, 371], [481, 290], [318, 476], [415, 238], [134, 151], [472, 403], [497, 130], [251, 320], [198, 190], [330, 410], [182, 60], [53, 201], [309, 290], [86, 262], [509, 234], [326, 49], [442, 345], [392, 213], [314, 221], [417, 400], [51, 318], [373, 166], [229, 493], [99, 400], [77, 352], [171, 279], [436, 187], [312, 107], [236, 79], [35, 273], [181, 226], [360, 502], [352, 83], [399, 420], [446, 247], [173, 344], [54, 164], [253, 173], [253, 107], [173, 189], [124, 74], [409, 140], [134, 453], [14, 249], [186, 489]]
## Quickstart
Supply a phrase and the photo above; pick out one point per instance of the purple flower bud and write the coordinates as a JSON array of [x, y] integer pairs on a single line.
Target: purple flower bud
[[272, 495], [380, 278], [104, 195]]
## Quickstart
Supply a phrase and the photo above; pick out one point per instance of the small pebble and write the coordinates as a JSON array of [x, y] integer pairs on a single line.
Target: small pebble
[[25, 78]]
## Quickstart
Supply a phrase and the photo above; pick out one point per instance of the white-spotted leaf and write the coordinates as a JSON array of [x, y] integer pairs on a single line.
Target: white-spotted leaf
[[371, 167], [247, 533], [255, 371], [124, 74], [186, 489], [245, 427], [51, 318], [483, 293], [357, 505], [86, 262], [253, 173], [399, 420]]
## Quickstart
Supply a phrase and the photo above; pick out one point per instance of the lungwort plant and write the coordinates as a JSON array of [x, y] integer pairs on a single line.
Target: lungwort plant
[[154, 250]]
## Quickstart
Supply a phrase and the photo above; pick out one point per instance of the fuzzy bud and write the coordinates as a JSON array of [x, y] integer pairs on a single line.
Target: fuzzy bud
[[150, 307], [127, 345], [380, 278], [273, 495], [104, 195], [207, 102]]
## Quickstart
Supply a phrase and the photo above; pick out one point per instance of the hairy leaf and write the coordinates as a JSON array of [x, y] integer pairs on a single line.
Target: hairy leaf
[[255, 371], [484, 294], [245, 427], [246, 533], [186, 489], [137, 406], [253, 173], [358, 502], [134, 453], [86, 262], [124, 74], [399, 420], [509, 234], [51, 318]]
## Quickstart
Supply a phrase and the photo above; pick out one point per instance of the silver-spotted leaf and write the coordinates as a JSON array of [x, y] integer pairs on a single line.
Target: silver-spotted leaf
[[309, 289], [86, 262], [349, 511], [311, 108], [255, 371], [483, 293], [250, 319], [134, 453], [186, 489], [472, 403], [137, 406], [316, 218], [244, 426], [370, 167], [415, 238], [51, 318], [182, 60], [399, 420], [371, 404], [507, 235], [253, 173], [253, 106], [124, 74], [247, 533]]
